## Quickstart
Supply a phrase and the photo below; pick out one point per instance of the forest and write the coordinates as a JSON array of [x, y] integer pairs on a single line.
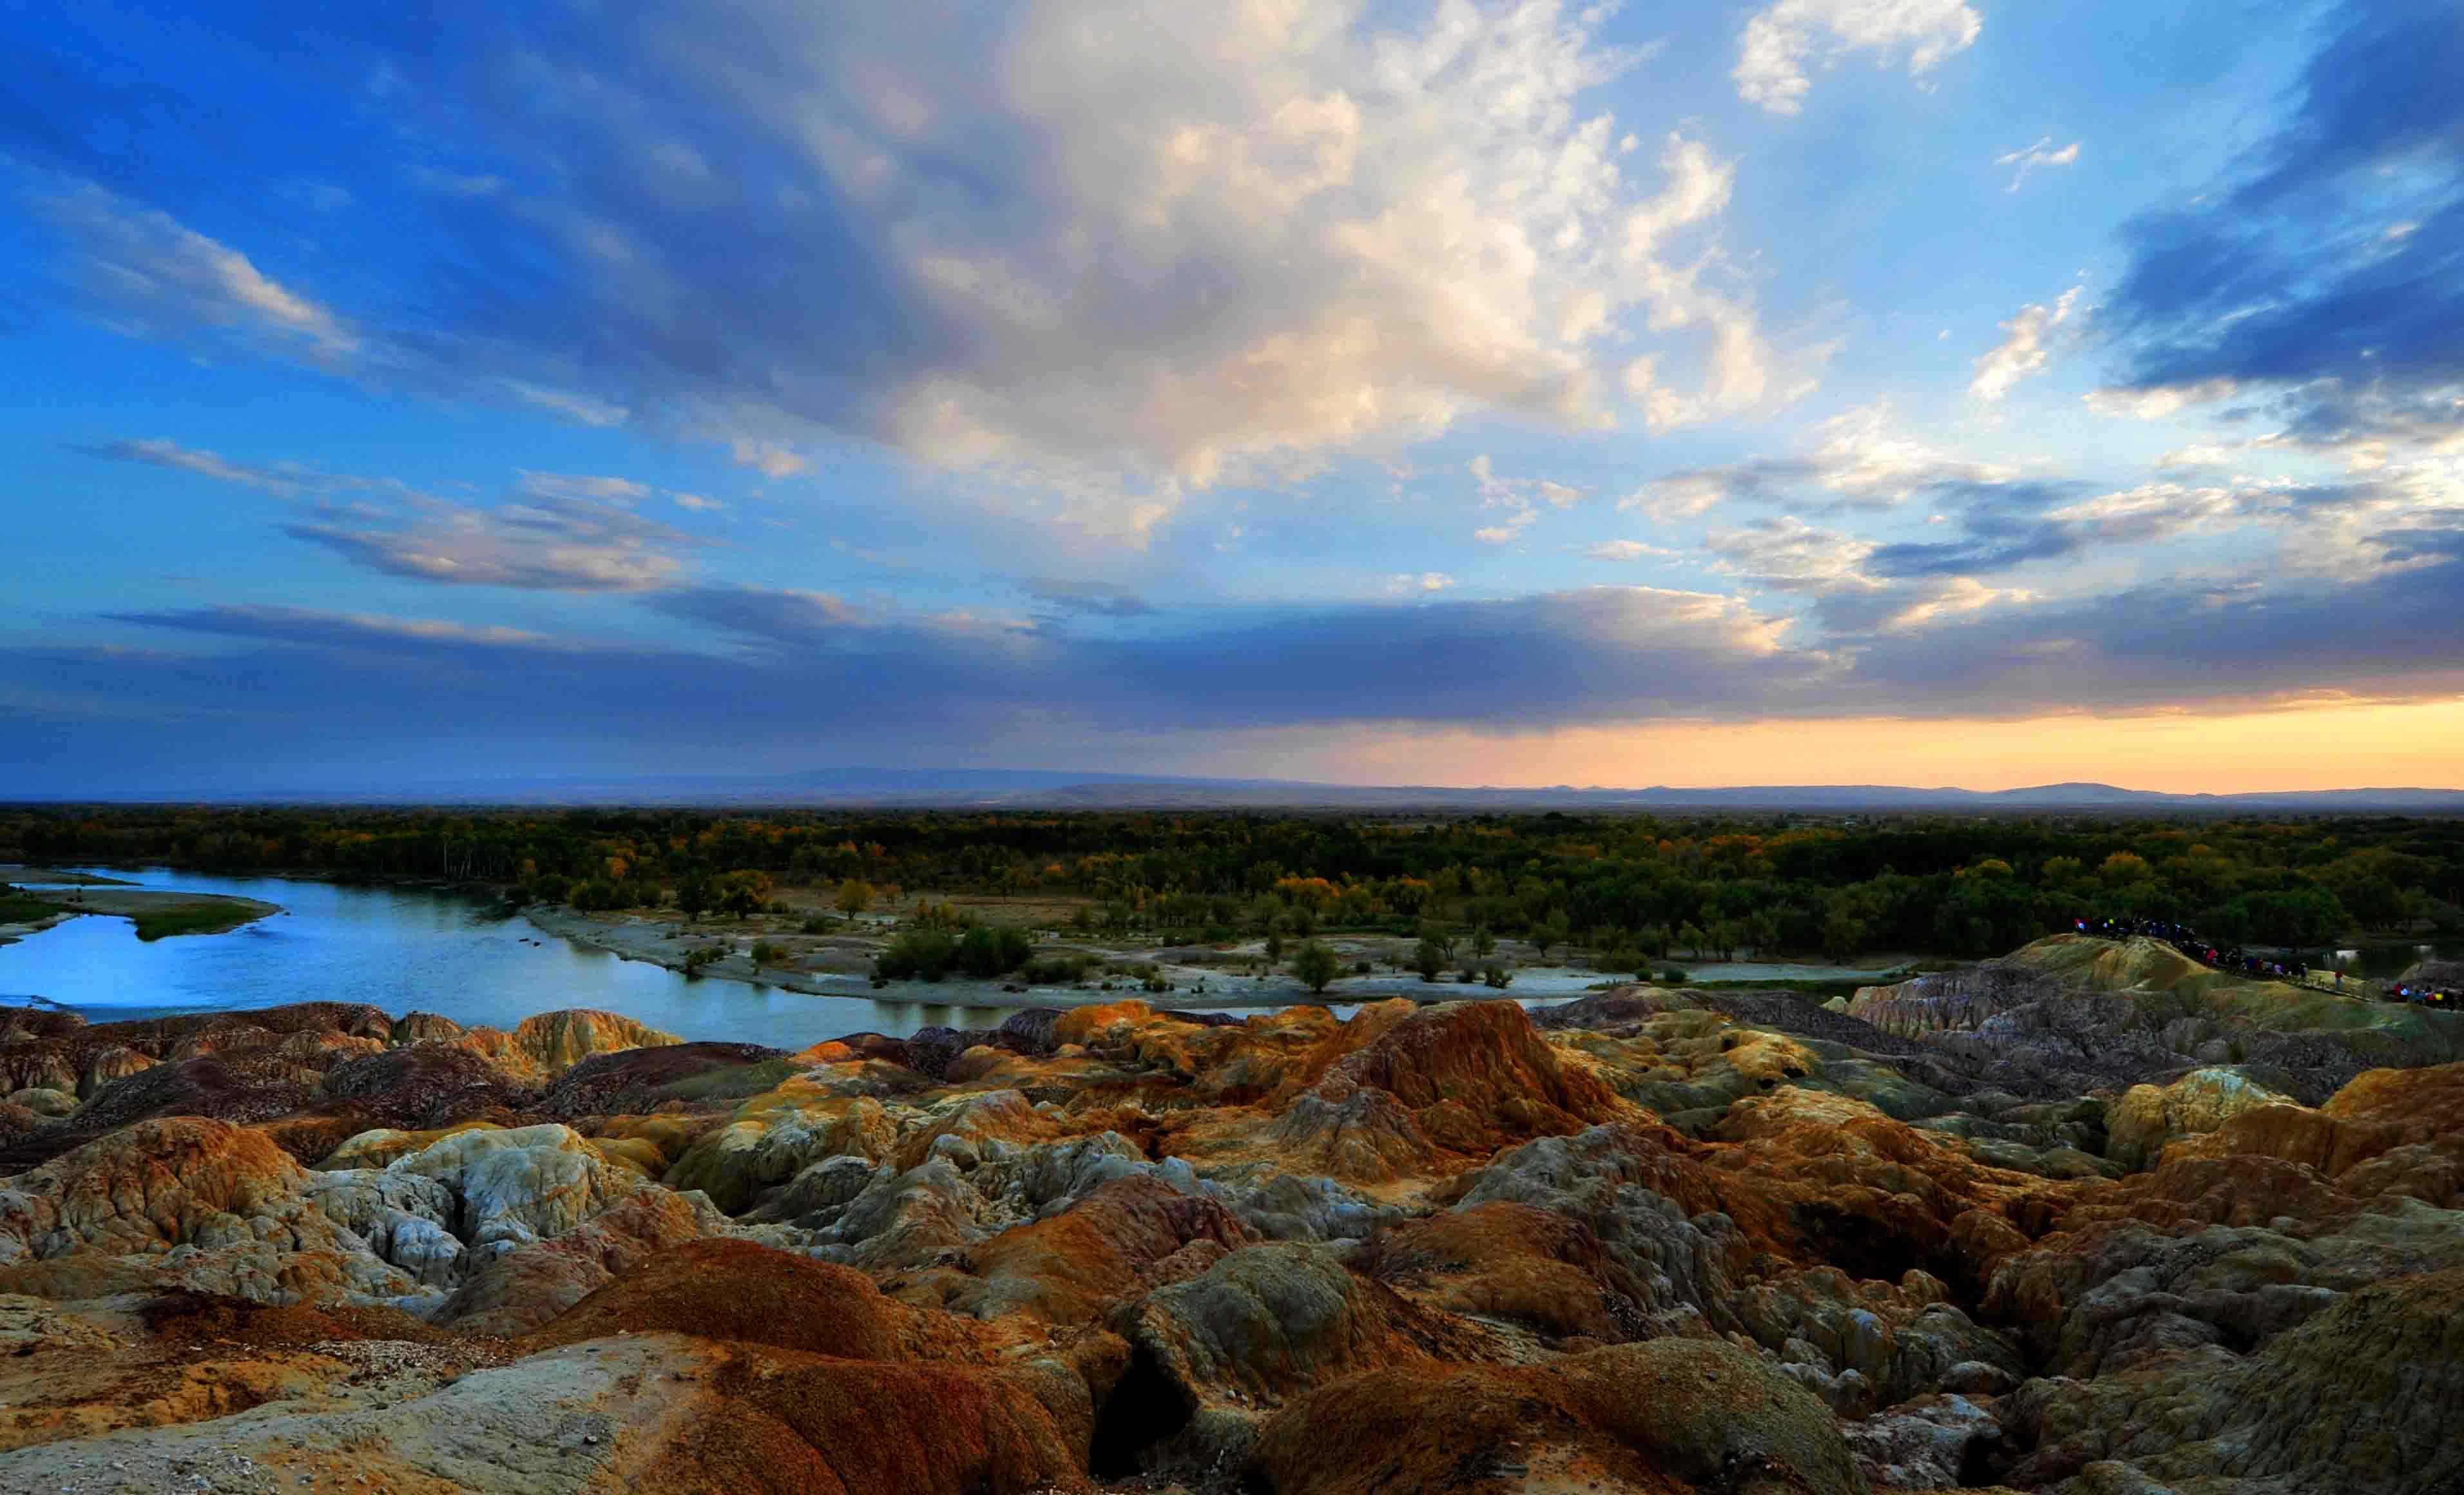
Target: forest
[[1699, 886]]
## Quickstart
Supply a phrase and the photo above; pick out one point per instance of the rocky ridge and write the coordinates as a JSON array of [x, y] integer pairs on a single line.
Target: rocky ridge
[[2070, 1222]]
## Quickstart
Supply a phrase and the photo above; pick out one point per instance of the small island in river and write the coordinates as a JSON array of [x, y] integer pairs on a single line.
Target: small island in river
[[157, 913]]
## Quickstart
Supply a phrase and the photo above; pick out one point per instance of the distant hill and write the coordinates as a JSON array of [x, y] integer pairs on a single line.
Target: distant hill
[[1060, 789]]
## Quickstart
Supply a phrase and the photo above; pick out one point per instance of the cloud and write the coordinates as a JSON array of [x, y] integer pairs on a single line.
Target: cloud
[[291, 686], [1950, 598], [148, 273], [770, 459], [1508, 531], [572, 407], [2155, 401], [1779, 42], [333, 629], [619, 491], [2013, 527], [2030, 157], [1185, 248], [698, 503], [798, 618], [1860, 458], [1519, 497], [2022, 351], [2286, 274], [1095, 598], [1425, 583], [282, 479], [548, 541], [1787, 554], [1623, 550]]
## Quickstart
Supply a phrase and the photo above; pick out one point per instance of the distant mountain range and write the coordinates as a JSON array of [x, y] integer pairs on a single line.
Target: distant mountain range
[[1049, 789]]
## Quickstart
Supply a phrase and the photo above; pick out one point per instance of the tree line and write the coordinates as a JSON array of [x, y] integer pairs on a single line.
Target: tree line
[[1638, 887]]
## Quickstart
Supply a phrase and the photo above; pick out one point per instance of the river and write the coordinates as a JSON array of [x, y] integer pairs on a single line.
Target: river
[[405, 950], [418, 950]]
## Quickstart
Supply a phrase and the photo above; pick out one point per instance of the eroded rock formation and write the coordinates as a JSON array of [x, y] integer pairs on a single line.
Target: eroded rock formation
[[2075, 1221]]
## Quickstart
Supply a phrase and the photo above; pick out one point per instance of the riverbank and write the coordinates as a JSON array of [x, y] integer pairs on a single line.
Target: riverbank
[[838, 962]]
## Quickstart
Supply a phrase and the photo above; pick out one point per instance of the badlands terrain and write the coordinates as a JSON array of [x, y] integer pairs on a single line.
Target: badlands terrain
[[2089, 1219]]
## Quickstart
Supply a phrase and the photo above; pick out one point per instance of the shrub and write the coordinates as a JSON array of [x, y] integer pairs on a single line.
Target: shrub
[[765, 952], [697, 959], [986, 952], [1056, 970], [916, 955], [1497, 975], [1314, 966], [817, 925]]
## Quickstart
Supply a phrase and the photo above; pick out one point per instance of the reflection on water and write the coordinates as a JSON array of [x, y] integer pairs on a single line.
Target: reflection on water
[[411, 949], [2380, 961]]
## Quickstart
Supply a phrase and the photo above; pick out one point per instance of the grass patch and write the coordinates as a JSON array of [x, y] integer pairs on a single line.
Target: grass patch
[[24, 908], [191, 918]]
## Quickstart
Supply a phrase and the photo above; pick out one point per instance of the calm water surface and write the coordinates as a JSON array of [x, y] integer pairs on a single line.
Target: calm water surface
[[407, 950]]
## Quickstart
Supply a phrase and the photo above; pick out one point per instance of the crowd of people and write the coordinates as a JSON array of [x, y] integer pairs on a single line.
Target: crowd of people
[[2183, 938], [2242, 962]]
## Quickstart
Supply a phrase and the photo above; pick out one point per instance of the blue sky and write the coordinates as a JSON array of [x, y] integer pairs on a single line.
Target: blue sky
[[1453, 392]]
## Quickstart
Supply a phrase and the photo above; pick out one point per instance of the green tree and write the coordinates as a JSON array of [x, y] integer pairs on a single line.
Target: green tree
[[1843, 936], [1691, 936], [1550, 932], [1315, 966], [1428, 957], [1762, 933], [695, 894], [1484, 944]]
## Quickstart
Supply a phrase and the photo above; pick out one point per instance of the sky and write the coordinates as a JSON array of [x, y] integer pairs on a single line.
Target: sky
[[1908, 391]]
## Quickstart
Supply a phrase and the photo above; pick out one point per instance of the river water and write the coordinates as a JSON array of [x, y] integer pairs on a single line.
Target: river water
[[406, 950]]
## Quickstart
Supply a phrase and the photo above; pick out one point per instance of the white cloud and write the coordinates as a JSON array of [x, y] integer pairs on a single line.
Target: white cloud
[[594, 490], [1424, 584], [2022, 351], [1787, 554], [566, 403], [2199, 454], [2029, 158], [1508, 531], [1184, 244], [1859, 457], [148, 273], [1519, 497], [1779, 42], [697, 503], [769, 458], [2158, 401], [547, 542], [1862, 457], [1623, 550], [282, 478], [1958, 594]]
